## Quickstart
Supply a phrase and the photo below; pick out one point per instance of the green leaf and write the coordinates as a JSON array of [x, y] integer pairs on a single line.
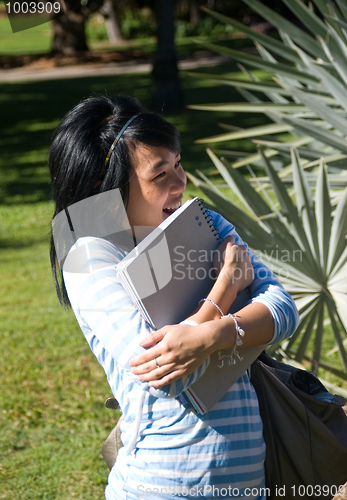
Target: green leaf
[[287, 206], [338, 274], [307, 17], [317, 117], [337, 89], [298, 35], [255, 204], [318, 133], [340, 302], [322, 110], [257, 62], [250, 132], [287, 345], [337, 242], [207, 180], [248, 229], [322, 5], [252, 159], [341, 23], [305, 204], [338, 60], [304, 152], [341, 349], [250, 107], [318, 340], [343, 7], [293, 272], [258, 86], [241, 188], [267, 41], [323, 215], [306, 303], [306, 337]]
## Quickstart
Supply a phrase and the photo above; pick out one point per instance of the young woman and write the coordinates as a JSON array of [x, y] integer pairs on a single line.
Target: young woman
[[113, 143]]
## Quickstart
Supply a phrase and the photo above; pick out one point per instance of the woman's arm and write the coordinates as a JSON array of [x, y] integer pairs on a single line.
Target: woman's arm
[[271, 315], [180, 349], [112, 324]]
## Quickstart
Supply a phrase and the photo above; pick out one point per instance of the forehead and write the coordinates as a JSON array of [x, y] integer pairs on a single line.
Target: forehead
[[151, 158]]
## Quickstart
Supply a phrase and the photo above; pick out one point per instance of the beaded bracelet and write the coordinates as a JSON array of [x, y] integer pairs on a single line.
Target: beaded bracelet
[[238, 338], [234, 354], [214, 304]]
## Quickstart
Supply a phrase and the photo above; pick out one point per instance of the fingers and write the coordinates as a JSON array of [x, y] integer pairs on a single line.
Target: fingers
[[153, 338], [178, 352], [228, 239], [167, 379], [156, 374], [145, 358], [238, 266], [153, 370], [219, 254], [140, 367]]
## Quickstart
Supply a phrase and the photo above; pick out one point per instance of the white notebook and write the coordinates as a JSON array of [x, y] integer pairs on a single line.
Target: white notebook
[[167, 274], [169, 271]]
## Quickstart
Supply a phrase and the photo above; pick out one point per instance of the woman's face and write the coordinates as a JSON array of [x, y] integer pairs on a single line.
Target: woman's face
[[156, 184]]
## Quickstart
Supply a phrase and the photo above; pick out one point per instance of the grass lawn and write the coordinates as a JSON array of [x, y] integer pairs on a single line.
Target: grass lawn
[[52, 414], [37, 40]]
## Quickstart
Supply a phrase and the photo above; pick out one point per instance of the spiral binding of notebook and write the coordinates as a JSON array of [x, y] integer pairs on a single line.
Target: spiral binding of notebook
[[208, 216]]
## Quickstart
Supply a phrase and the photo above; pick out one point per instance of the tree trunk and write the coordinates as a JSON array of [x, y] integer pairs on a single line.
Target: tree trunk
[[113, 30], [194, 12], [69, 36], [167, 95]]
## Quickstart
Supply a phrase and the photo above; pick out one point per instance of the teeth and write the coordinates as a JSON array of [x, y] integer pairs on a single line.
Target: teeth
[[173, 207]]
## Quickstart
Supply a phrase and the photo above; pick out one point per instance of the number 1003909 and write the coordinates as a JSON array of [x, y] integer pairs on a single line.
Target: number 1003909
[[33, 7]]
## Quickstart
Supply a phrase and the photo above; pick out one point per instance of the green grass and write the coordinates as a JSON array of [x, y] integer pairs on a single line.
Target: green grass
[[52, 414], [30, 41], [38, 40]]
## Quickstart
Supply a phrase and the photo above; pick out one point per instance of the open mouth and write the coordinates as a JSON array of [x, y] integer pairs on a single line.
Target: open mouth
[[173, 208]]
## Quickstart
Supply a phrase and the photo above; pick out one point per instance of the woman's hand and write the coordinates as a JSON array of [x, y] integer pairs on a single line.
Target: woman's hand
[[233, 265], [178, 350]]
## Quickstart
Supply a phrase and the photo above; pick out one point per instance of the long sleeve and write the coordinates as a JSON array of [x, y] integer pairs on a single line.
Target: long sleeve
[[105, 312]]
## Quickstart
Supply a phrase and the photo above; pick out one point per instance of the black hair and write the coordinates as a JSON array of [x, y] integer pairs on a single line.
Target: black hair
[[81, 144]]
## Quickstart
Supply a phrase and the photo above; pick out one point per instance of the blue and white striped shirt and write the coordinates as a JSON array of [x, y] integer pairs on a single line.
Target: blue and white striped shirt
[[170, 452]]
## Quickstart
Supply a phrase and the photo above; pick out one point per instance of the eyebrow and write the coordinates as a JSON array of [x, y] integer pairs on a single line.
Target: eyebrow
[[161, 163]]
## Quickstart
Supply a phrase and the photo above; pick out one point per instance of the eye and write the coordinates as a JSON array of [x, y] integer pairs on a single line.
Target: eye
[[178, 164], [159, 176]]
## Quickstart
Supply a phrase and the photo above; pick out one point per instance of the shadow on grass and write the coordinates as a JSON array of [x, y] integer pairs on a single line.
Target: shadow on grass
[[31, 111], [16, 244]]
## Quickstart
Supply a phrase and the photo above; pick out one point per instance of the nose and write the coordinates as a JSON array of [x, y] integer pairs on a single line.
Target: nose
[[179, 181]]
